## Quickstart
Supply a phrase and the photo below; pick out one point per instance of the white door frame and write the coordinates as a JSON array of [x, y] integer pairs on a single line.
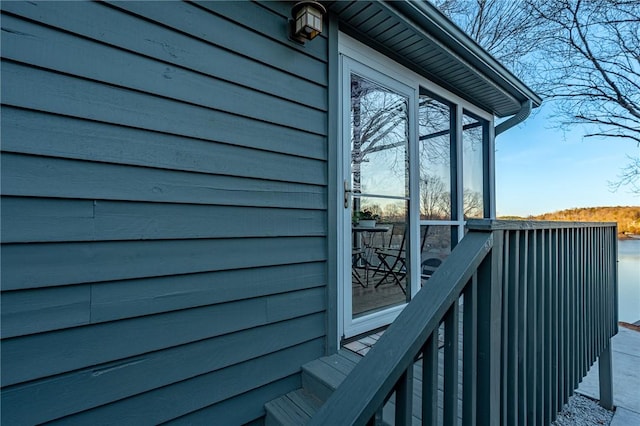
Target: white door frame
[[354, 55], [348, 325]]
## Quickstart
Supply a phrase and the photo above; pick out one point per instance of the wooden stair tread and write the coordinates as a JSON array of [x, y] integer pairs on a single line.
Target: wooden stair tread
[[320, 378]]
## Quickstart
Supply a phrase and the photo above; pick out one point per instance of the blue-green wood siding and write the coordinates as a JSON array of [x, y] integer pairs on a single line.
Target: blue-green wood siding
[[164, 210]]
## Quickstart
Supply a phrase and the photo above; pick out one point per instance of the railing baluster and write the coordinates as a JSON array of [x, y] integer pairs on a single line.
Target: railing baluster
[[568, 384], [451, 369], [523, 327], [532, 319], [586, 303], [605, 287], [592, 295], [554, 329], [470, 352], [404, 398], [564, 332], [613, 276], [597, 299], [511, 325], [506, 305], [578, 307], [430, 380], [614, 281], [602, 303], [599, 281], [547, 327], [582, 308], [588, 310], [573, 341], [540, 279]]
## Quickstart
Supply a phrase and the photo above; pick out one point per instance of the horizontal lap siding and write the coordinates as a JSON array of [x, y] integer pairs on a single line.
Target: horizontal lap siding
[[163, 210]]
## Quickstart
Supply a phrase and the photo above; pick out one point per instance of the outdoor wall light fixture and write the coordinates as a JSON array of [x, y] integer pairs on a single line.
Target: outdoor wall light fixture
[[307, 20]]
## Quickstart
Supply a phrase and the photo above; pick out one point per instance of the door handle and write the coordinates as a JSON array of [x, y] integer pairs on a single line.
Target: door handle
[[347, 194]]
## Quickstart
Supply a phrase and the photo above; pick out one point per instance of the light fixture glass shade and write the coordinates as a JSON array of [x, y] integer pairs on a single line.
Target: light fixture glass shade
[[307, 16]]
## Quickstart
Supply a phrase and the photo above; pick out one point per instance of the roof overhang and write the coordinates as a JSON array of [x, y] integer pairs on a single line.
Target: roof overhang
[[420, 37]]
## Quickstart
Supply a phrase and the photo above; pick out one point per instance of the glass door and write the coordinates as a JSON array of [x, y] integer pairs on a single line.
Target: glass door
[[418, 160], [377, 117]]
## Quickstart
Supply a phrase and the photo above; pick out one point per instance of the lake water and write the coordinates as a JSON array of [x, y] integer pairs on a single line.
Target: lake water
[[629, 280]]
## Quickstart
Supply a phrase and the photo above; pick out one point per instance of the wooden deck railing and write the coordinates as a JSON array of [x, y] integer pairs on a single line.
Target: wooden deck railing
[[539, 305]]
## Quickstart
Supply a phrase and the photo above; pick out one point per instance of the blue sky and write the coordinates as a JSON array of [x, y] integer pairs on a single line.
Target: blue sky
[[541, 169]]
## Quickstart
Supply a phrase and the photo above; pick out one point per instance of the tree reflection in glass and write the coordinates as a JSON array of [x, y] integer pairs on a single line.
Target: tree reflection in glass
[[379, 139], [435, 125], [380, 184], [472, 166]]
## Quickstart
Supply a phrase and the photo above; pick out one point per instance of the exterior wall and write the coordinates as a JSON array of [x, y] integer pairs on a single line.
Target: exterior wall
[[164, 211]]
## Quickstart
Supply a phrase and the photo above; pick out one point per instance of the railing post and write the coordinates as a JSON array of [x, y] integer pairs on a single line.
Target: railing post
[[489, 333], [605, 377]]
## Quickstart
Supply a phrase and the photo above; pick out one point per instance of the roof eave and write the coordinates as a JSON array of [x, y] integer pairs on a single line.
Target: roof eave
[[425, 15]]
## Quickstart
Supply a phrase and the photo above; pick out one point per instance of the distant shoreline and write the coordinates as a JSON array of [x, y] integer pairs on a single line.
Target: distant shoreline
[[627, 218], [625, 237]]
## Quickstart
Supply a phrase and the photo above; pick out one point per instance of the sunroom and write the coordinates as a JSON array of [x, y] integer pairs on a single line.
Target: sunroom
[[417, 100]]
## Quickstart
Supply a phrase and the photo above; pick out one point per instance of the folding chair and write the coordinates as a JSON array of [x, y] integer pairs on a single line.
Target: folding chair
[[393, 260], [356, 254], [429, 266]]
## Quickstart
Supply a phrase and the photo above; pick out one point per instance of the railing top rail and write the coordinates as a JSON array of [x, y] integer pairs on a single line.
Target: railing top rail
[[515, 225], [376, 374]]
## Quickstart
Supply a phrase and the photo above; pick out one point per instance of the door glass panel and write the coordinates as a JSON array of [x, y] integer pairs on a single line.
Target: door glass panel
[[379, 254], [379, 121], [435, 158], [472, 166], [379, 139]]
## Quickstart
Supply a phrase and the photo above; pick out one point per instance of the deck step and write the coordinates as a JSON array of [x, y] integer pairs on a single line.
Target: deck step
[[294, 408], [319, 379], [323, 375]]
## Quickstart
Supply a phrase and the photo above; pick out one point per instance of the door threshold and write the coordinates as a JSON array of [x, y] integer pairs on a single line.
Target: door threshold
[[362, 343]]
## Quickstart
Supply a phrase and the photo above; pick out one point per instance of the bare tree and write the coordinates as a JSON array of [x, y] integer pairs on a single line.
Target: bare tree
[[434, 198], [629, 176], [506, 29], [473, 204], [378, 126], [593, 63], [582, 55]]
